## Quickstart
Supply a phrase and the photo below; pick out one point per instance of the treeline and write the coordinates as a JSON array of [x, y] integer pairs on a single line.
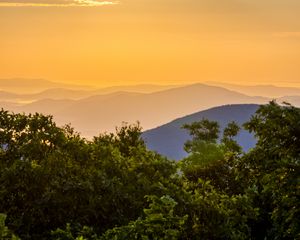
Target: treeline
[[54, 184]]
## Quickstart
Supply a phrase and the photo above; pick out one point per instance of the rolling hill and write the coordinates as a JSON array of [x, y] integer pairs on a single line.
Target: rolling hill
[[270, 91], [53, 93], [169, 139], [140, 88], [56, 91], [29, 86], [100, 113], [294, 100]]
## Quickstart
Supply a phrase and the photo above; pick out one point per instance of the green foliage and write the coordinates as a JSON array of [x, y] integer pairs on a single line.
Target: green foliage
[[29, 137], [230, 144], [209, 160], [54, 184], [203, 148], [159, 222], [5, 233], [45, 184], [273, 167], [216, 215], [202, 131], [277, 129], [86, 233]]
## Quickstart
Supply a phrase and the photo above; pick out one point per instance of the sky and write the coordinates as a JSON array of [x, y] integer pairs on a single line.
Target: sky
[[105, 43]]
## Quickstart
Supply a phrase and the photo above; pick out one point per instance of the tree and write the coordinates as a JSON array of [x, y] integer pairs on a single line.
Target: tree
[[210, 160], [160, 222], [273, 168], [202, 131], [27, 137], [230, 144], [51, 176], [203, 147], [56, 184], [5, 233]]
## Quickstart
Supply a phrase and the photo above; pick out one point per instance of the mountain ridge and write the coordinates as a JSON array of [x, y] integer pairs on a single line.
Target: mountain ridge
[[271, 91], [100, 113], [168, 139]]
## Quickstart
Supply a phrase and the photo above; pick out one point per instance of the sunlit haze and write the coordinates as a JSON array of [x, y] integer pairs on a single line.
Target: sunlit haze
[[125, 42]]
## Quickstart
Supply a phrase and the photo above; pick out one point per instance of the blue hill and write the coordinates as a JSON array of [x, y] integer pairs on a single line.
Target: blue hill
[[169, 139]]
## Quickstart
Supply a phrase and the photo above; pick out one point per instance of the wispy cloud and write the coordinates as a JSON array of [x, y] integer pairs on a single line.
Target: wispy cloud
[[56, 3]]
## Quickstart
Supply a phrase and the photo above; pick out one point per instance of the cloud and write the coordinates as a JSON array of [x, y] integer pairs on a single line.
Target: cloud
[[55, 3]]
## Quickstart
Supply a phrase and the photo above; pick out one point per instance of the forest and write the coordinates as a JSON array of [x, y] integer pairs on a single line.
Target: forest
[[55, 184]]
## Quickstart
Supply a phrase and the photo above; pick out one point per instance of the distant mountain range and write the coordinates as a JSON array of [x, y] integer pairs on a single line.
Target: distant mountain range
[[28, 86], [169, 139], [260, 90], [29, 90], [103, 112], [91, 110]]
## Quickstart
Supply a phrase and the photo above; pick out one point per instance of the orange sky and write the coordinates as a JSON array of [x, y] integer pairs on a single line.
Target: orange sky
[[151, 41]]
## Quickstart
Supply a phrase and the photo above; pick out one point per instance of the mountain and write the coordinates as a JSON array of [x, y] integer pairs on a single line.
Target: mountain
[[169, 139], [53, 93], [8, 96], [294, 100], [103, 112], [59, 93], [259, 90], [46, 106], [29, 86], [140, 88], [11, 106]]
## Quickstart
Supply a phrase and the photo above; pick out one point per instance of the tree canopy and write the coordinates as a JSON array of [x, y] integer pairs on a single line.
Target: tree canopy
[[54, 184]]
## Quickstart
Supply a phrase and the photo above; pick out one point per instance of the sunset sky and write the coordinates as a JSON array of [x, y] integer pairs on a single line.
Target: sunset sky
[[122, 42]]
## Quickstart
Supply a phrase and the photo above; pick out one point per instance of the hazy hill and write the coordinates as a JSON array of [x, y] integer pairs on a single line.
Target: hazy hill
[[11, 106], [260, 90], [23, 86], [20, 92], [7, 96], [294, 100], [169, 139], [140, 88], [60, 93], [46, 106], [53, 93], [103, 112]]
